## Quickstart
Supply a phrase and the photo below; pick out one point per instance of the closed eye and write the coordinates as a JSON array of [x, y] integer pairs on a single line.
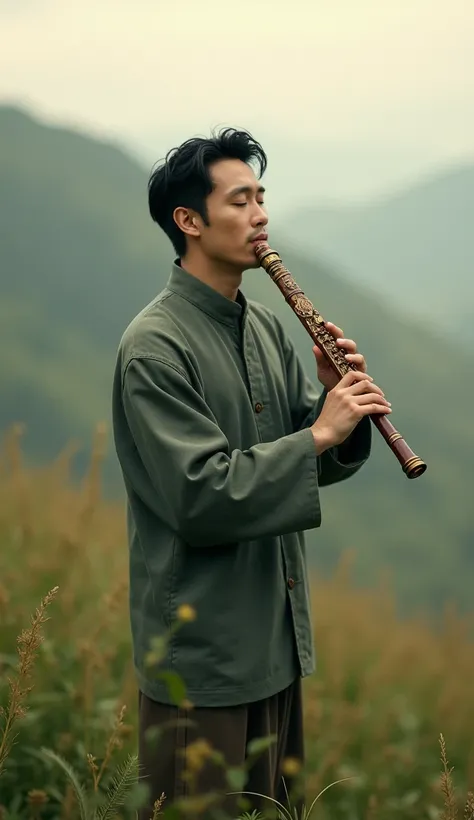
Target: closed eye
[[241, 204]]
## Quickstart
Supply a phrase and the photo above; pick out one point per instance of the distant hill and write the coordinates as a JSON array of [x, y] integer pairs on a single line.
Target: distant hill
[[415, 248], [79, 256]]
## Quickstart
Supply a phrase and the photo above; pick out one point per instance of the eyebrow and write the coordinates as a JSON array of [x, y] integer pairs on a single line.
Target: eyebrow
[[245, 189]]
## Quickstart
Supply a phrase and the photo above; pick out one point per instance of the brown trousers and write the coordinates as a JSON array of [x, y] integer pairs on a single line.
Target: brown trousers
[[166, 756]]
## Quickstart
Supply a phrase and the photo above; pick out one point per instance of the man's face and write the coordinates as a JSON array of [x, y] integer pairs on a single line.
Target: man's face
[[236, 215]]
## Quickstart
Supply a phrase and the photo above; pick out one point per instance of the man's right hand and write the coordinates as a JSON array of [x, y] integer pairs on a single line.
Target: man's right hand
[[354, 397]]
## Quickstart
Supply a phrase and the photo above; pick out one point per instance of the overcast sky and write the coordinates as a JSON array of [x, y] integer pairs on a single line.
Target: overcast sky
[[348, 96]]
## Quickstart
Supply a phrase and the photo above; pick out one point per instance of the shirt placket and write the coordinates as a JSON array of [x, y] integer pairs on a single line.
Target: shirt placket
[[292, 574], [257, 385]]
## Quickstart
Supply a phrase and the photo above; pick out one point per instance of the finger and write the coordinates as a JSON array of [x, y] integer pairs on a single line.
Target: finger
[[369, 398], [348, 344], [335, 330], [357, 359], [352, 377], [364, 386], [372, 408]]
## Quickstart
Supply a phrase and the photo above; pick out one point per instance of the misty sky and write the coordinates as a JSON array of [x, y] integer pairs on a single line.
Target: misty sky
[[348, 96]]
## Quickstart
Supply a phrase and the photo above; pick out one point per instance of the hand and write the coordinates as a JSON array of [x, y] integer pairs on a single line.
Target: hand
[[353, 397], [326, 374]]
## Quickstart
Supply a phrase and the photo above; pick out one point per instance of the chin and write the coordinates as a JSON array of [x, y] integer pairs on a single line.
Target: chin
[[252, 262], [245, 263]]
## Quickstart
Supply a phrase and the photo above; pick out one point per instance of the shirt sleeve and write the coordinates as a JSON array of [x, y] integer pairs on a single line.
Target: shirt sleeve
[[205, 492], [337, 463]]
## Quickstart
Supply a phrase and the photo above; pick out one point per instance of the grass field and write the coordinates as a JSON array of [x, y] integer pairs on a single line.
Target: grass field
[[385, 695]]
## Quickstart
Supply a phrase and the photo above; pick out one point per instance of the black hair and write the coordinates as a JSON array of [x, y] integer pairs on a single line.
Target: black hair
[[183, 179]]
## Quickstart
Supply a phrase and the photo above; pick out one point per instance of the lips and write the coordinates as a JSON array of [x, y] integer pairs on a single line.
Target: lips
[[262, 237]]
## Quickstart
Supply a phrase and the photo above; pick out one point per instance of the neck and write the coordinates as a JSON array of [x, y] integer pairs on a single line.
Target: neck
[[223, 278]]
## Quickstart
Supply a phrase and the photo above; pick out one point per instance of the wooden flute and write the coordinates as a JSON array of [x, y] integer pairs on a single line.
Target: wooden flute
[[314, 323]]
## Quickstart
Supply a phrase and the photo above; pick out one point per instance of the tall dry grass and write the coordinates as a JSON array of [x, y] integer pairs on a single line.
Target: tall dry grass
[[383, 695]]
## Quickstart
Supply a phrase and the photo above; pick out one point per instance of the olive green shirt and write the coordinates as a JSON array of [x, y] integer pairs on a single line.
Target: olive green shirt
[[211, 415]]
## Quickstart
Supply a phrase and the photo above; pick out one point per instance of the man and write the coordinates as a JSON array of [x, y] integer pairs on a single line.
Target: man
[[224, 443]]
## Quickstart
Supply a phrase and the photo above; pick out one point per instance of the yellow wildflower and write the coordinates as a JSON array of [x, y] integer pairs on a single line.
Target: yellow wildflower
[[197, 753], [291, 766], [186, 613], [37, 797]]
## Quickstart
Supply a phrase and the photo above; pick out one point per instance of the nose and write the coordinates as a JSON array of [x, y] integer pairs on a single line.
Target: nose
[[260, 216]]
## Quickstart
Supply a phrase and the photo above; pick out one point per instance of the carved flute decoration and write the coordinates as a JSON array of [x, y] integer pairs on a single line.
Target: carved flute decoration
[[271, 262]]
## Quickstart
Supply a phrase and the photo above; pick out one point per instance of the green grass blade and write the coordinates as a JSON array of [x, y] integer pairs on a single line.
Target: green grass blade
[[122, 782], [285, 812], [325, 790], [73, 778]]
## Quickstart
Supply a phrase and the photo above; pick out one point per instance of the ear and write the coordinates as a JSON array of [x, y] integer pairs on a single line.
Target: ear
[[187, 221]]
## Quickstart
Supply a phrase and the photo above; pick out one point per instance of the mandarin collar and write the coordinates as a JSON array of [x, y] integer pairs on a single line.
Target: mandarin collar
[[206, 298]]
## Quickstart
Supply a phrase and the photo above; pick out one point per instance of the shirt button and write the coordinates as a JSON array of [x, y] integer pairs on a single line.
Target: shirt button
[[258, 407], [291, 583]]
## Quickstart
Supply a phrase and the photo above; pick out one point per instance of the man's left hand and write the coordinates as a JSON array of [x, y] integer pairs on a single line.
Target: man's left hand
[[326, 374]]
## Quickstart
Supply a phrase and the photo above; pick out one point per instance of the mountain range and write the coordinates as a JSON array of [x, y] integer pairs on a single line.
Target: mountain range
[[79, 256], [415, 247]]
